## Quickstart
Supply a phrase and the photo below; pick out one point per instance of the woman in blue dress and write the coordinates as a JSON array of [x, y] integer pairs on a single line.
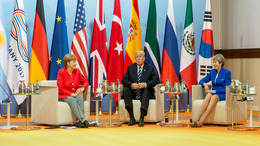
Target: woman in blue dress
[[220, 78]]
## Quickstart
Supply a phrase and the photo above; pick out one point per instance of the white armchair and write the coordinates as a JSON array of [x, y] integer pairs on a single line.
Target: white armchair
[[222, 113], [155, 110], [46, 109]]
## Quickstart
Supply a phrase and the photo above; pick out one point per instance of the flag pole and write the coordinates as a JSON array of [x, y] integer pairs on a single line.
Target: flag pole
[[100, 112], [171, 104], [116, 112], [1, 117], [188, 104], [8, 126], [19, 116]]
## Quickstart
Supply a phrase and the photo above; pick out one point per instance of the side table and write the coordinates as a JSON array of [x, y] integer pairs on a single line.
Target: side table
[[234, 100], [110, 110], [97, 99], [251, 115], [28, 95], [176, 123], [8, 126]]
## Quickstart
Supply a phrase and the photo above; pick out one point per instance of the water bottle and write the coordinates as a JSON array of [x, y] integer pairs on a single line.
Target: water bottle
[[168, 86], [37, 87], [22, 87], [183, 87], [240, 88], [118, 85], [233, 87], [247, 87]]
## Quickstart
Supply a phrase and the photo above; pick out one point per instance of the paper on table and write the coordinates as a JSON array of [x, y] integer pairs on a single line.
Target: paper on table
[[68, 127]]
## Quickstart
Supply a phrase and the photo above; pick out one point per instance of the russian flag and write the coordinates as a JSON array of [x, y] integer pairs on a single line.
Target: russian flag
[[170, 58]]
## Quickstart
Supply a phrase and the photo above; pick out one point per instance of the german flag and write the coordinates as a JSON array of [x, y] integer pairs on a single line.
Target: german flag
[[39, 63]]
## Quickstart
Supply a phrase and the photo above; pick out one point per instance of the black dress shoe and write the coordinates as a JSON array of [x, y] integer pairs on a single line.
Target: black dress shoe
[[86, 124], [132, 122], [79, 124], [141, 123]]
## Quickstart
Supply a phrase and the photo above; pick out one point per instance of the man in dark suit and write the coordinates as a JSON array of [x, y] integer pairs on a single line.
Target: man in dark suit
[[138, 81]]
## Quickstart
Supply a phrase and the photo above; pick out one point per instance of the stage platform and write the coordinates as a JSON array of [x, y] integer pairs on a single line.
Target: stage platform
[[150, 134]]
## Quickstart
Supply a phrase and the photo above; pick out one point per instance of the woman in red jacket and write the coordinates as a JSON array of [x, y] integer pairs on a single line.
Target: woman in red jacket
[[69, 80]]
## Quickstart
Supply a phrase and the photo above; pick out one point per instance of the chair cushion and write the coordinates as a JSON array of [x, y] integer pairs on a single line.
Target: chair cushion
[[63, 113], [151, 112], [218, 114]]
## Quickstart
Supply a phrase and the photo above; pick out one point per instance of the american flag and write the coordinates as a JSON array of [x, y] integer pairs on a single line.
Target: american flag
[[79, 42]]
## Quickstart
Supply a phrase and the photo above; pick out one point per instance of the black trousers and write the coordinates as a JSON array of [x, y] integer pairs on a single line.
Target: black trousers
[[129, 95]]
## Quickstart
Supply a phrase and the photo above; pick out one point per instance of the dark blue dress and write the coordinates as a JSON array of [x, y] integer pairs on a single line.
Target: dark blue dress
[[223, 80]]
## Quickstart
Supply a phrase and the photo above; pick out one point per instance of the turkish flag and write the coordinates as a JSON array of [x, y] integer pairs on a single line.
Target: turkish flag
[[115, 59]]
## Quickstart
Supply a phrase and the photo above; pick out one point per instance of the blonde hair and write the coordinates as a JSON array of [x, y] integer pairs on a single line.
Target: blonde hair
[[67, 58], [140, 52]]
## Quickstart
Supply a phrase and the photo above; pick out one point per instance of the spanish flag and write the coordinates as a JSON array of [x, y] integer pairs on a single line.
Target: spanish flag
[[134, 40], [39, 63]]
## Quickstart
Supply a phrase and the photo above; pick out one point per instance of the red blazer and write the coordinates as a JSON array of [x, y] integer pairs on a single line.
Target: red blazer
[[70, 83]]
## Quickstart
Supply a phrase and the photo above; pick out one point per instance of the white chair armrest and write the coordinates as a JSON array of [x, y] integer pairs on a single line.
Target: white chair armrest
[[45, 105], [48, 83], [157, 93], [86, 94], [120, 94], [228, 99], [197, 92], [159, 97]]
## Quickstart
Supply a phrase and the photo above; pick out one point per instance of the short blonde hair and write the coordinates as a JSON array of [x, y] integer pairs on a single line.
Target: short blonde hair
[[139, 52], [220, 58], [67, 58]]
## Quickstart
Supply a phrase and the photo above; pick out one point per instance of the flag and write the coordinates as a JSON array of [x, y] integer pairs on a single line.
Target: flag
[[79, 43], [99, 53], [188, 60], [205, 64], [39, 62], [59, 46], [151, 46], [116, 53], [170, 54], [134, 40], [3, 59], [18, 61]]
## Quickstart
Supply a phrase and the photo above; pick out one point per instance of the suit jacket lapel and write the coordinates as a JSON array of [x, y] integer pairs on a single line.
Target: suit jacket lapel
[[219, 75], [135, 72], [143, 71]]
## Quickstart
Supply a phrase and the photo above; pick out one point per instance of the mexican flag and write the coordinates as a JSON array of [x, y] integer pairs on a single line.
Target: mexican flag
[[188, 60]]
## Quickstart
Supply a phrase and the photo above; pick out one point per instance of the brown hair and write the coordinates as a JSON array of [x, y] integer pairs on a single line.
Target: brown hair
[[67, 58], [220, 58]]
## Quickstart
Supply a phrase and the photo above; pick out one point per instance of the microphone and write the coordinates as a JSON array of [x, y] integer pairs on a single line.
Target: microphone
[[83, 76], [227, 76]]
